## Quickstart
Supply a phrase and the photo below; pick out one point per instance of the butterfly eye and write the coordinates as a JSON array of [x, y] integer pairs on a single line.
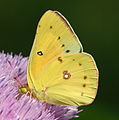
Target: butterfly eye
[[40, 53]]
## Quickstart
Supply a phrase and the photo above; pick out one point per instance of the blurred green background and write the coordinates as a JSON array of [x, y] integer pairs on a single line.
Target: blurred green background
[[96, 22]]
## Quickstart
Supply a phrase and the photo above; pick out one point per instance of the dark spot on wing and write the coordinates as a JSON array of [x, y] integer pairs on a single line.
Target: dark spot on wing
[[80, 64], [84, 85], [67, 51], [60, 59], [63, 45], [66, 75], [50, 27], [58, 37], [40, 53], [85, 77]]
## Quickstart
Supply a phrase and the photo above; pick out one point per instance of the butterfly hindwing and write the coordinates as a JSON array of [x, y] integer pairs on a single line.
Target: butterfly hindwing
[[68, 80]]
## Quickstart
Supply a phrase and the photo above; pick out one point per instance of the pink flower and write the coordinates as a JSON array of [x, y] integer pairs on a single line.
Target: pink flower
[[16, 106]]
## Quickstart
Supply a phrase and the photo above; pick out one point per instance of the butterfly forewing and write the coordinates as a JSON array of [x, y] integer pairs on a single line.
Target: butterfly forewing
[[54, 37]]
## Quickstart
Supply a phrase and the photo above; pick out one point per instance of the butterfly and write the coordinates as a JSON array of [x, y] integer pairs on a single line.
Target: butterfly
[[58, 71]]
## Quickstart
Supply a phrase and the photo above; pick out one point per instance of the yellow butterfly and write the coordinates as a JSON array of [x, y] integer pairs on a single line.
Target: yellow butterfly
[[59, 72]]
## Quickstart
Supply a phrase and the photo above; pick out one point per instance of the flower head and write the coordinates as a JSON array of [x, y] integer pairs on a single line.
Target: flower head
[[16, 106]]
